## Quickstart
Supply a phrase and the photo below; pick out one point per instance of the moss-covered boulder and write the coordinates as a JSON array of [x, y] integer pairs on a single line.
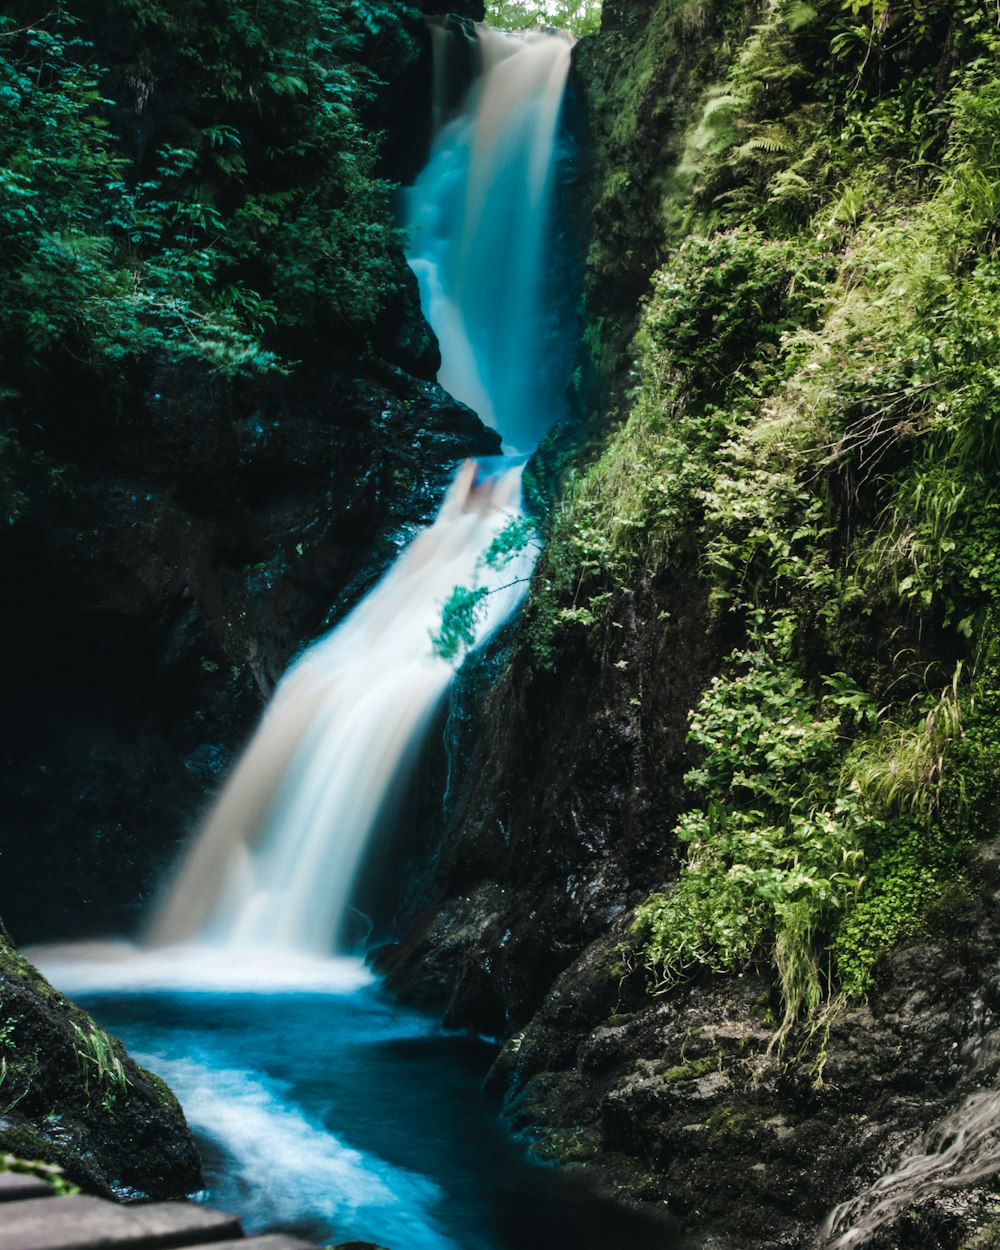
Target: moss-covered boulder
[[69, 1094]]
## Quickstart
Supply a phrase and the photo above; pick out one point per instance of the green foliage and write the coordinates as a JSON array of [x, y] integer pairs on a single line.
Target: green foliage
[[719, 308], [717, 328], [900, 883], [459, 614], [800, 845], [579, 17], [464, 607], [75, 274], [99, 1058], [257, 205], [755, 153], [51, 1173], [775, 852], [904, 768], [642, 78], [812, 427]]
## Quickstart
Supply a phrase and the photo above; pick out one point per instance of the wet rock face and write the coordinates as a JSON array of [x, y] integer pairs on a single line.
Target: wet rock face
[[557, 823], [681, 1100], [72, 1096], [199, 534]]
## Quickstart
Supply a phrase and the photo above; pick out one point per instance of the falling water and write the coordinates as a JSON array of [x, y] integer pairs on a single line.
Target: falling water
[[479, 222], [274, 863]]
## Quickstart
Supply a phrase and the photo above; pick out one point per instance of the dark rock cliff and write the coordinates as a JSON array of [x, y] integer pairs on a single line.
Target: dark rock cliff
[[681, 1101], [201, 533], [559, 825]]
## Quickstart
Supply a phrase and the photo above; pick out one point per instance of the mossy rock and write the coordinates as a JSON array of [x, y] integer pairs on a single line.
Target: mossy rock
[[70, 1095]]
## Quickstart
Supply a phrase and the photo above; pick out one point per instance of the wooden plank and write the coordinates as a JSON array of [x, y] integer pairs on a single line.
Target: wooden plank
[[82, 1223], [15, 1186]]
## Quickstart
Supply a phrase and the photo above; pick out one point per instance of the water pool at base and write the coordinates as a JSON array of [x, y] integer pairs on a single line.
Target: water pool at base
[[344, 1117]]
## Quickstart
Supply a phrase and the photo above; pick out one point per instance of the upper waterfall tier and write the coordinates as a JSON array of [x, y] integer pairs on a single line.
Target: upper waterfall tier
[[479, 220]]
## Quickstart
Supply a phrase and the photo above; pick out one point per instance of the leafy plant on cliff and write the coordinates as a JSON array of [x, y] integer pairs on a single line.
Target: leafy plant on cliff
[[466, 605], [256, 202], [716, 327], [93, 265], [776, 849], [822, 449], [99, 1060], [579, 17]]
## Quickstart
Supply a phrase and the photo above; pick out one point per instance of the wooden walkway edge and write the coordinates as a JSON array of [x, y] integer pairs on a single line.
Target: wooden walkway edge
[[32, 1218]]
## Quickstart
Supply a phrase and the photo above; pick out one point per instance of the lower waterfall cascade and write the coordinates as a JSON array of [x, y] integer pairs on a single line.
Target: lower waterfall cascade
[[274, 863]]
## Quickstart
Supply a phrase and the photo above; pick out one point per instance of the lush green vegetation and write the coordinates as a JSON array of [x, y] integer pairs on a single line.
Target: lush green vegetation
[[251, 201], [188, 181], [811, 423], [581, 17], [463, 610]]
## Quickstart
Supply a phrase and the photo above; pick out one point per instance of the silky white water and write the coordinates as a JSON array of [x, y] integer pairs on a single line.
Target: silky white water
[[273, 866], [479, 223], [961, 1148], [287, 1161]]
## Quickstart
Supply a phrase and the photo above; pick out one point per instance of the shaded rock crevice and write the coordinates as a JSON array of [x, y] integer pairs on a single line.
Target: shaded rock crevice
[[561, 821], [201, 538]]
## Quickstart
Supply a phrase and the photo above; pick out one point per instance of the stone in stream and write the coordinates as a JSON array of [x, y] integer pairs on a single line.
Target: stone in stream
[[127, 1139], [357, 1245]]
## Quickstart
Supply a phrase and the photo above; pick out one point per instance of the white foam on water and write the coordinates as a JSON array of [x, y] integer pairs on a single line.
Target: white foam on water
[[283, 1167], [121, 967]]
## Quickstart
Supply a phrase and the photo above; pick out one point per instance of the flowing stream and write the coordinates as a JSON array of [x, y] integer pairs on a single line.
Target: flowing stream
[[320, 1106]]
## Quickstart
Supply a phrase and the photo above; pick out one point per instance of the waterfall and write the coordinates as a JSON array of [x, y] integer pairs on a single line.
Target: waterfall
[[273, 866], [274, 862], [479, 223]]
